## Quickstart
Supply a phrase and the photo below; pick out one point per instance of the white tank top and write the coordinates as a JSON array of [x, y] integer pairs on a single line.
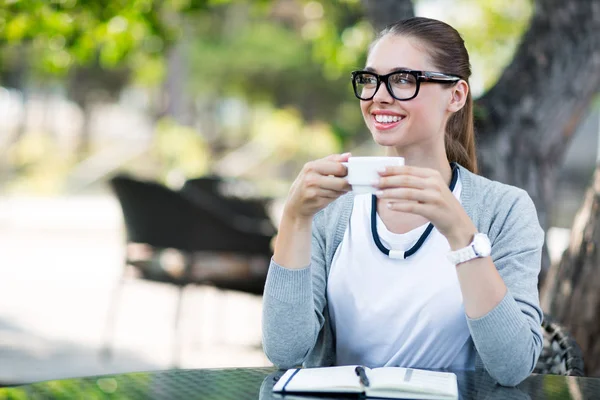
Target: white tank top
[[389, 312]]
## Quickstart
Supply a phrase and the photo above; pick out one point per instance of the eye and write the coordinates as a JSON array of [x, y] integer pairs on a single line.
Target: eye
[[366, 79], [402, 78]]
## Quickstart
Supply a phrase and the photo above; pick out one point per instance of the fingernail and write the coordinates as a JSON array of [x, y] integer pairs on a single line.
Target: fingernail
[[375, 183], [381, 169], [345, 154], [379, 193]]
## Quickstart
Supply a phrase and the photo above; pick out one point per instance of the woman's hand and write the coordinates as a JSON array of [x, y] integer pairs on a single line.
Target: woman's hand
[[319, 183], [424, 192]]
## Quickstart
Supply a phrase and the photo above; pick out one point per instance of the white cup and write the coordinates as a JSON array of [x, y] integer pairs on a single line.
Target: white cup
[[363, 171]]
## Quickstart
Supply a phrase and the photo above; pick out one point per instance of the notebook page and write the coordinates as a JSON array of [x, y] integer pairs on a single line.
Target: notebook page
[[328, 379], [414, 381]]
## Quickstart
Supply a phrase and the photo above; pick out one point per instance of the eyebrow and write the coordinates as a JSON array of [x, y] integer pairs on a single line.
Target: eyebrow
[[371, 69]]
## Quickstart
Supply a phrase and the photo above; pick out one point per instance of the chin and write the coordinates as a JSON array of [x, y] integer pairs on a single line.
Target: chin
[[387, 139]]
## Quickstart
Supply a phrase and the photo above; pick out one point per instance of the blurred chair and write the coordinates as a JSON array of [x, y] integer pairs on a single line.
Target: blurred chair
[[561, 355], [245, 214], [201, 229]]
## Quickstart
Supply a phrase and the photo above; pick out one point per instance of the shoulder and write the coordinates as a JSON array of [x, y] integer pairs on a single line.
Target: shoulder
[[488, 197], [498, 207]]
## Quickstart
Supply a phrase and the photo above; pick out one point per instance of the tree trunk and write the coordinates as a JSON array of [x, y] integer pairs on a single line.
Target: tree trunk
[[382, 13], [574, 298], [84, 147], [530, 115], [175, 87]]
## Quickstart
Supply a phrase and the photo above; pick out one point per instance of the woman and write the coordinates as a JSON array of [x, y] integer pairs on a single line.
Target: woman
[[334, 296]]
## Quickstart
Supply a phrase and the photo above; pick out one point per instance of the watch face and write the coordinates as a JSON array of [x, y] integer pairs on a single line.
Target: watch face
[[481, 245]]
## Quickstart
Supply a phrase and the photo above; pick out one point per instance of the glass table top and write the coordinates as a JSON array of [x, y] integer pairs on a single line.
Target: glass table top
[[257, 383]]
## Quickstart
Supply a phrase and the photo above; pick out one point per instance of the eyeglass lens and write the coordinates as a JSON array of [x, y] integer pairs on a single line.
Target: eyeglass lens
[[403, 85]]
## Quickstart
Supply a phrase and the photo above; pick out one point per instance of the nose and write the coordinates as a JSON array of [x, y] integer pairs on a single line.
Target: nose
[[383, 95]]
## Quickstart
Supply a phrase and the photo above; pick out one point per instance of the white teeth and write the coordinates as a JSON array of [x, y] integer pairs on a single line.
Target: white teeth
[[387, 118]]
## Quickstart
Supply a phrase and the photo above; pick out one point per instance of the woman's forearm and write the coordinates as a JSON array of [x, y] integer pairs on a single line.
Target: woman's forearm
[[290, 325], [292, 246], [481, 285], [319, 183]]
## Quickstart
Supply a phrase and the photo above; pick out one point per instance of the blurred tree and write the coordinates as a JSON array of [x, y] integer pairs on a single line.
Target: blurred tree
[[385, 12], [530, 115], [239, 52], [91, 85], [572, 296], [68, 33], [96, 44]]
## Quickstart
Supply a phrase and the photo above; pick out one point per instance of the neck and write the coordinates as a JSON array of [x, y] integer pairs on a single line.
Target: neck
[[439, 162]]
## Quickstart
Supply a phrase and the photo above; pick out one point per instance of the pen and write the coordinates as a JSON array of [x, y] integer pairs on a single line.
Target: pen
[[360, 371]]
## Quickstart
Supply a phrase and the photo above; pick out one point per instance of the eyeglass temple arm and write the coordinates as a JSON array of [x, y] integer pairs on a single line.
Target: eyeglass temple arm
[[439, 77]]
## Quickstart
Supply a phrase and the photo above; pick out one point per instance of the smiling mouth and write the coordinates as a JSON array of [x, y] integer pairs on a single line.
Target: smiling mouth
[[387, 119]]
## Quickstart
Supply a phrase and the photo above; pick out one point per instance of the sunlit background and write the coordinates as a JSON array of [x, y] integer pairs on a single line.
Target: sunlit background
[[245, 90]]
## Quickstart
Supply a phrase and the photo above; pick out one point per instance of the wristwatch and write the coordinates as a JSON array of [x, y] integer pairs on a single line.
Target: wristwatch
[[479, 247]]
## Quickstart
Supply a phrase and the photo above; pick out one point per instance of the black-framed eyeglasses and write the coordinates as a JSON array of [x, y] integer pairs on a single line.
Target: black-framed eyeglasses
[[401, 84]]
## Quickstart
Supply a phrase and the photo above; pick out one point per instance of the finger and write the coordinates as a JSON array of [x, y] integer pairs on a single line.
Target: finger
[[333, 183], [407, 170], [327, 167], [338, 157], [411, 207], [397, 181], [317, 181], [421, 196], [330, 194], [317, 195]]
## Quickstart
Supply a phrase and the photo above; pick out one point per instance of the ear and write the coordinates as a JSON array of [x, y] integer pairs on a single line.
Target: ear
[[458, 97]]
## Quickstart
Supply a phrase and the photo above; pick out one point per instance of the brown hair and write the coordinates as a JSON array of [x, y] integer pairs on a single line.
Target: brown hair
[[447, 51]]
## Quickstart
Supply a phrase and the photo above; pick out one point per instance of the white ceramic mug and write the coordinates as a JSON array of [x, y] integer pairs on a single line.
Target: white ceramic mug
[[363, 171]]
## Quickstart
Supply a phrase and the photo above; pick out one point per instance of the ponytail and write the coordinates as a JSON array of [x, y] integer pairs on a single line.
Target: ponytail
[[460, 137]]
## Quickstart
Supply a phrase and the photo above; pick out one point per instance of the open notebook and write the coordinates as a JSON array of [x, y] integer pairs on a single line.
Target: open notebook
[[384, 382]]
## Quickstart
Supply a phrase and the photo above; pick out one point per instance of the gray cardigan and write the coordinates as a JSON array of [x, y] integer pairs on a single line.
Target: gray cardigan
[[508, 340]]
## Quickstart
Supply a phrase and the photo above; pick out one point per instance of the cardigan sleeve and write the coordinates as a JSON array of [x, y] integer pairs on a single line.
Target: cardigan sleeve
[[294, 302], [509, 338]]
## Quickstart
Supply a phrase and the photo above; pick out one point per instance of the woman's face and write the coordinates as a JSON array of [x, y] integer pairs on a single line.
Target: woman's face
[[416, 123]]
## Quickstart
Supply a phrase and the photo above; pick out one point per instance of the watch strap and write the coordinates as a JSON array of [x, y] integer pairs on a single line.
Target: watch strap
[[462, 255]]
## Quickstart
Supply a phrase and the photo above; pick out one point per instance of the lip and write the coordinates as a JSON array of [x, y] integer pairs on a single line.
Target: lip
[[387, 112], [380, 126]]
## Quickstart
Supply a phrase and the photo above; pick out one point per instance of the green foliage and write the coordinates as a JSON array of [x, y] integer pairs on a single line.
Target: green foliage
[[63, 34], [60, 35], [70, 32], [179, 149], [492, 29], [245, 62], [265, 57], [288, 137], [291, 56], [339, 34], [280, 143], [40, 163]]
